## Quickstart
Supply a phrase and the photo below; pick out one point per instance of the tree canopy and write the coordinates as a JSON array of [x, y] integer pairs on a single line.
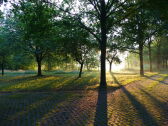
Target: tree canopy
[[82, 32]]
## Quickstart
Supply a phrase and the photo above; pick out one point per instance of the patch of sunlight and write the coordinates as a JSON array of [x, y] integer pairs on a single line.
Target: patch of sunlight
[[122, 79], [62, 82], [160, 79], [109, 79], [151, 73], [126, 79], [95, 79], [96, 86], [155, 82], [164, 75], [28, 84], [129, 79], [113, 85]]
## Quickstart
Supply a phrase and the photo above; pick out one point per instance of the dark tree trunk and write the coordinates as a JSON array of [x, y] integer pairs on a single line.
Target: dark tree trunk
[[103, 67], [81, 68], [110, 66], [2, 67], [39, 68], [150, 56], [103, 44], [141, 60], [158, 57], [39, 60]]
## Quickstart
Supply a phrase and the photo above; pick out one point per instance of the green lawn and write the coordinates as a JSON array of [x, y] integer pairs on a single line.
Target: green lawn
[[53, 81]]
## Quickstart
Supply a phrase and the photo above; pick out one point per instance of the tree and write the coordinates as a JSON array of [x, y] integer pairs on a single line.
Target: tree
[[98, 17], [92, 61], [159, 12], [36, 22], [112, 58], [5, 44], [76, 43], [155, 26], [135, 31]]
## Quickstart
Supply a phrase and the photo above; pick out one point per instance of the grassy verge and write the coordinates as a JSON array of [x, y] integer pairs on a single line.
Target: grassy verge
[[63, 81]]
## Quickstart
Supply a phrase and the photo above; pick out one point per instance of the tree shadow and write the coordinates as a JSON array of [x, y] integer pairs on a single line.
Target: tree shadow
[[162, 105], [27, 108], [45, 109], [101, 116], [147, 118], [101, 108], [151, 78], [115, 80], [154, 100]]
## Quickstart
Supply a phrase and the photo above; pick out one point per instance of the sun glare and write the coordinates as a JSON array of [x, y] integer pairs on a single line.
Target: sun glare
[[118, 67]]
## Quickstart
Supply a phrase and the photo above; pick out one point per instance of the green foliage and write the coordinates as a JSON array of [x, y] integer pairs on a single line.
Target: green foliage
[[77, 43], [36, 21]]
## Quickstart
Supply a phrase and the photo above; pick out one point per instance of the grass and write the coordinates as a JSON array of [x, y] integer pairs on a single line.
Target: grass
[[161, 77], [59, 80]]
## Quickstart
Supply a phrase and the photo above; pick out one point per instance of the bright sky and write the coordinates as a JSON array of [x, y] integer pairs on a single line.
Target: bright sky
[[118, 67], [5, 7]]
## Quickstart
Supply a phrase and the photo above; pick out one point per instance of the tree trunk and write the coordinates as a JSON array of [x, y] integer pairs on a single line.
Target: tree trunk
[[39, 68], [150, 56], [39, 59], [2, 67], [81, 68], [110, 66], [158, 57], [141, 60], [103, 44]]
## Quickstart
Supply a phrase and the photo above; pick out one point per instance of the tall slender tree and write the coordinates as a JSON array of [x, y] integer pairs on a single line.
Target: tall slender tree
[[135, 31]]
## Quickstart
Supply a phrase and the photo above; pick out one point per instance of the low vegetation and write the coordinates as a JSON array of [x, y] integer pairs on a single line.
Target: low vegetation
[[54, 81]]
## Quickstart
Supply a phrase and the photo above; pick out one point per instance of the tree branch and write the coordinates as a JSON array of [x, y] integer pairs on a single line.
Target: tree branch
[[78, 19]]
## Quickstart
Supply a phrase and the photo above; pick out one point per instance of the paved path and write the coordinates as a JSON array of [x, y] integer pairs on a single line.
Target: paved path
[[142, 103]]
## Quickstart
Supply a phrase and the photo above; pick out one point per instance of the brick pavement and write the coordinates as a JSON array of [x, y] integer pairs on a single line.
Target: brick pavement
[[133, 105]]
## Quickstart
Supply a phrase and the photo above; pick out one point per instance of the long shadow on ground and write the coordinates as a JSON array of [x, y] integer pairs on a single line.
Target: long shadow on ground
[[101, 109], [26, 109], [151, 78], [101, 118], [143, 114]]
